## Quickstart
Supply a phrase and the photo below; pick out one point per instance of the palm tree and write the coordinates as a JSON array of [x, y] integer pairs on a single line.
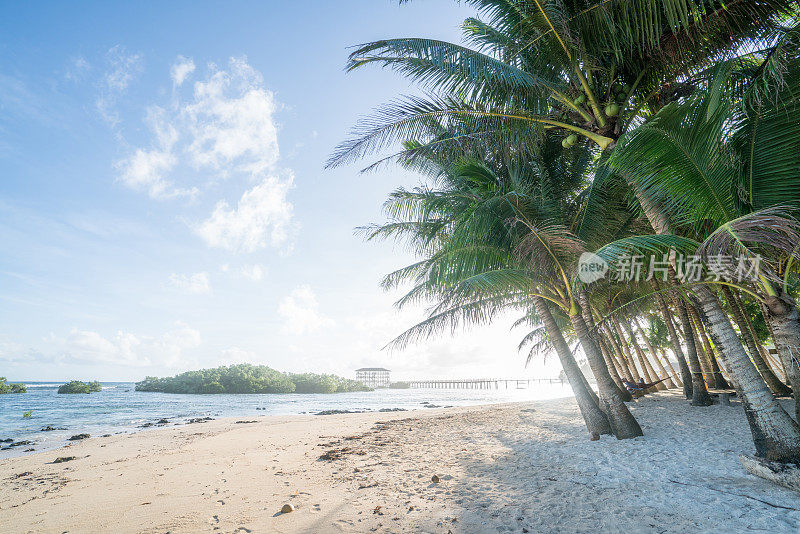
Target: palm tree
[[694, 159], [575, 70]]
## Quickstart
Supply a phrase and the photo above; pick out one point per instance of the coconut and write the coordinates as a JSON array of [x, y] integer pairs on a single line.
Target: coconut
[[612, 110], [572, 139], [565, 143]]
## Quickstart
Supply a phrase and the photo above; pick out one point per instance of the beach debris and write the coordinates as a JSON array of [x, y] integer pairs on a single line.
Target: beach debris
[[377, 510], [392, 410], [77, 437], [199, 420], [7, 440], [62, 459], [335, 412], [245, 422], [338, 454], [23, 474], [49, 428], [786, 475], [29, 450], [287, 508], [18, 444], [435, 479]]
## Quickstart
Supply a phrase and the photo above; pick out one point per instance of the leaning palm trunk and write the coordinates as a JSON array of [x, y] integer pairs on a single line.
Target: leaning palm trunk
[[668, 383], [702, 355], [596, 420], [613, 368], [774, 383], [624, 345], [675, 342], [700, 395], [647, 371], [715, 378], [783, 319], [622, 421], [775, 433], [616, 352], [676, 378], [586, 312]]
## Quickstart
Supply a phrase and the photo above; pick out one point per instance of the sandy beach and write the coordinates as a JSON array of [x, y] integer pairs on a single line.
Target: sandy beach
[[521, 467]]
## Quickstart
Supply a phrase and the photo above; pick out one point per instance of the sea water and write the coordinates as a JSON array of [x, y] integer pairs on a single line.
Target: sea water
[[119, 408]]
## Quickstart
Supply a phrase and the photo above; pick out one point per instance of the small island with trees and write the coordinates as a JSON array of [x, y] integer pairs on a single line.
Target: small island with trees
[[247, 378], [76, 386], [5, 387]]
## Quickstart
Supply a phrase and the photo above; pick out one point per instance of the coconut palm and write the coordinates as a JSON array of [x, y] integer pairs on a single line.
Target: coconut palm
[[577, 71], [529, 252], [698, 156]]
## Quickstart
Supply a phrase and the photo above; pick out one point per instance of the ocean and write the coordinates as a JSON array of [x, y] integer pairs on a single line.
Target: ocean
[[118, 408]]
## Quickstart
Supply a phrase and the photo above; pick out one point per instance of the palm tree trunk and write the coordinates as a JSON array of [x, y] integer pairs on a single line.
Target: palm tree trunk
[[586, 312], [717, 380], [775, 433], [676, 378], [668, 383], [596, 421], [702, 355], [613, 368], [700, 396], [625, 364], [628, 356], [782, 316], [616, 353], [623, 424], [737, 312], [675, 342], [649, 376]]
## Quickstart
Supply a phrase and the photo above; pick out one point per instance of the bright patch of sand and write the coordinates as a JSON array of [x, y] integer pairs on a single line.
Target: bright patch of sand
[[523, 467]]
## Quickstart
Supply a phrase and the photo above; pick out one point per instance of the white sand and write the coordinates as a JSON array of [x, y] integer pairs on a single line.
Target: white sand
[[503, 468]]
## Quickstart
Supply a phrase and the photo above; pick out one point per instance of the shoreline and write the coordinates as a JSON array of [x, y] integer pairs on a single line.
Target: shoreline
[[501, 468], [119, 409]]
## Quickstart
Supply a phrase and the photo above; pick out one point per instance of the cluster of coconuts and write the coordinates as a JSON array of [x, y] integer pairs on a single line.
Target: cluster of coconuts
[[618, 93], [569, 140]]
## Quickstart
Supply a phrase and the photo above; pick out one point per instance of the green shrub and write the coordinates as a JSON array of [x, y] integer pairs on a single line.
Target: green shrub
[[76, 386], [247, 378], [5, 387], [399, 385]]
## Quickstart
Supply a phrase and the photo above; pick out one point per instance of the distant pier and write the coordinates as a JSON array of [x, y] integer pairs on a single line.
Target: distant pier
[[482, 383]]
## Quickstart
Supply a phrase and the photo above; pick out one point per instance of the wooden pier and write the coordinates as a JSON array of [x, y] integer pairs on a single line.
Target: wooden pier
[[482, 383]]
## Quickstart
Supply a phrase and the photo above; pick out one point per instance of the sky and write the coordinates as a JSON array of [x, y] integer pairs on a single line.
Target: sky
[[164, 204]]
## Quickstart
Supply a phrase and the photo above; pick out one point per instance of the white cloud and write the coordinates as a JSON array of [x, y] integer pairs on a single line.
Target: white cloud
[[253, 272], [261, 217], [300, 312], [77, 69], [181, 70], [122, 70], [197, 283], [225, 129], [231, 121], [125, 348]]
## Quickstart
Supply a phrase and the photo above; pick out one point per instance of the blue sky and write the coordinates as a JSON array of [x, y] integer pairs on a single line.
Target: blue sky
[[164, 205]]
